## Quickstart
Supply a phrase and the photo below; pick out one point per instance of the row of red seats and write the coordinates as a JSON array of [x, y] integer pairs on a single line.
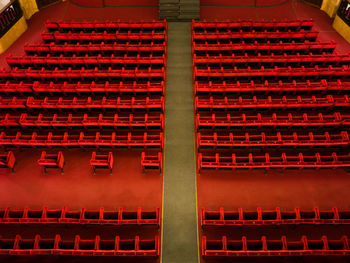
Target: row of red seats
[[82, 216], [86, 103], [156, 38], [82, 75], [95, 49], [274, 75], [67, 140], [106, 88], [225, 103], [300, 161], [97, 246], [82, 120], [245, 61], [275, 248], [277, 139], [273, 120], [260, 37], [64, 26], [253, 49], [273, 217], [249, 25], [88, 62], [321, 86]]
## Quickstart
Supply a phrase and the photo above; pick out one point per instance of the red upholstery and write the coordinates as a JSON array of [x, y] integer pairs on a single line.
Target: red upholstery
[[81, 140], [263, 139], [151, 162], [255, 48], [237, 37], [252, 87], [274, 217], [51, 161], [116, 26], [254, 161], [116, 247], [87, 61], [84, 216], [116, 49], [8, 160], [272, 120], [106, 88], [104, 161], [268, 247], [284, 102], [153, 38], [248, 25]]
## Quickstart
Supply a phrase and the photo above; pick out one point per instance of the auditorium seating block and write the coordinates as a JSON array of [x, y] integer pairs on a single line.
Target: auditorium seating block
[[268, 95], [89, 86]]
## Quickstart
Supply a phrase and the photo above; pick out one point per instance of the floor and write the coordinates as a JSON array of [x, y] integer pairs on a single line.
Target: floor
[[244, 189]]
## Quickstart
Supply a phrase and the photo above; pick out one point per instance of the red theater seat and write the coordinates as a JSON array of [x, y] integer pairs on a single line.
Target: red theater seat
[[102, 161], [8, 160], [151, 162], [51, 161]]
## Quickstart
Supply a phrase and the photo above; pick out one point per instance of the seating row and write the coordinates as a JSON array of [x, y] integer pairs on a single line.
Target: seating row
[[300, 161], [83, 216], [80, 247], [225, 103], [277, 139], [273, 120], [82, 120], [106, 88], [273, 217], [158, 26], [95, 49], [83, 74], [249, 25], [151, 162], [266, 49], [109, 38], [274, 75], [86, 103], [267, 87], [67, 140], [271, 61], [275, 248], [250, 37], [49, 62]]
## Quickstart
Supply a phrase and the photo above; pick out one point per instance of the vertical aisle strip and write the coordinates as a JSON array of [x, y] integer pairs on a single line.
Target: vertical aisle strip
[[179, 243]]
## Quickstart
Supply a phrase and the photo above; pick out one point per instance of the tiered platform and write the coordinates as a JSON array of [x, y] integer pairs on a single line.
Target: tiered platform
[[270, 99], [90, 102]]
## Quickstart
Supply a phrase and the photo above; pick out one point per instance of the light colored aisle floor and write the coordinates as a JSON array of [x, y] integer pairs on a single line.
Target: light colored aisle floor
[[179, 200]]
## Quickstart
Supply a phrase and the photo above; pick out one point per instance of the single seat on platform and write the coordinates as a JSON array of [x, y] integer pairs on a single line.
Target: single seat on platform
[[103, 161], [51, 161], [153, 162], [8, 160]]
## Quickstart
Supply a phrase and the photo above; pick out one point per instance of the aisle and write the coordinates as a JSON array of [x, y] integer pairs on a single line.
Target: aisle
[[179, 205]]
